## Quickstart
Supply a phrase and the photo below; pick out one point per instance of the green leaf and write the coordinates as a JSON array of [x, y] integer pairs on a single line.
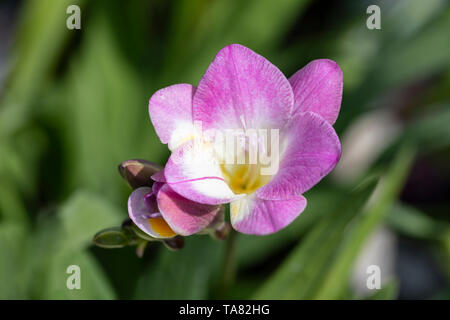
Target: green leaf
[[390, 186], [184, 274], [403, 60], [427, 133], [389, 291], [431, 131], [258, 24], [94, 284], [82, 216], [106, 119], [264, 21], [12, 261], [377, 63], [12, 208], [62, 240], [41, 36], [415, 223]]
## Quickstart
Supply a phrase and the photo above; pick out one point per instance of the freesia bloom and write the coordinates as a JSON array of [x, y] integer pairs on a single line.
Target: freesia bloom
[[241, 90]]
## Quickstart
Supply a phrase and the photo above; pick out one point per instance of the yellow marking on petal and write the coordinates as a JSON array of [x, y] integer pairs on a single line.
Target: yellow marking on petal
[[234, 210], [160, 226], [244, 178], [186, 139], [239, 209]]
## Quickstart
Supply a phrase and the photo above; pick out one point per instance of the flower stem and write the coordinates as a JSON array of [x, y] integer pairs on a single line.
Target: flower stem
[[229, 266]]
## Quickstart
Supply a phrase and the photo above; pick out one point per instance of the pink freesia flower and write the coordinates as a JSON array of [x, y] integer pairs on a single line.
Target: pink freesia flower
[[242, 90]]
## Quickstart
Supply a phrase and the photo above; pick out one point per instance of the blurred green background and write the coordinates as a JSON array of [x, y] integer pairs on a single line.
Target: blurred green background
[[73, 105]]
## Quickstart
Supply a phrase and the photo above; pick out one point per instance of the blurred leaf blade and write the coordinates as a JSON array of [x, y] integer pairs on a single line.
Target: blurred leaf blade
[[389, 188], [389, 291], [415, 223], [41, 38], [62, 240], [185, 274]]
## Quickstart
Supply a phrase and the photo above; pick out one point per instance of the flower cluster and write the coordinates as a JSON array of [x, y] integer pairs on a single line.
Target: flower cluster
[[243, 93], [162, 213]]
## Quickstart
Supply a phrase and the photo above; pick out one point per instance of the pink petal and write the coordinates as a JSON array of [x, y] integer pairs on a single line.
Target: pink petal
[[312, 150], [156, 187], [141, 206], [253, 215], [318, 88], [184, 216], [159, 176], [242, 89], [171, 114], [194, 173]]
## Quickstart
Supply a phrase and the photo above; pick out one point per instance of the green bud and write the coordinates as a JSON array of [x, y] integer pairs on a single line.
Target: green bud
[[115, 237], [138, 172]]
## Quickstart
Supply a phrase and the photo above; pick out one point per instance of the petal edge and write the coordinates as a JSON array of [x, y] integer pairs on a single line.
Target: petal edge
[[318, 88], [256, 216]]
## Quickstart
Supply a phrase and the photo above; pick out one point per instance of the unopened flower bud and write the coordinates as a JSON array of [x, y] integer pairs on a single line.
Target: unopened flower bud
[[138, 172], [115, 237]]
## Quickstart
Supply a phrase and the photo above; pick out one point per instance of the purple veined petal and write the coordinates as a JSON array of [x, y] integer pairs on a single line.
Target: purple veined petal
[[141, 207], [317, 88], [156, 187], [150, 201], [184, 216], [252, 215], [152, 215], [311, 150], [194, 173], [241, 89], [170, 111]]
